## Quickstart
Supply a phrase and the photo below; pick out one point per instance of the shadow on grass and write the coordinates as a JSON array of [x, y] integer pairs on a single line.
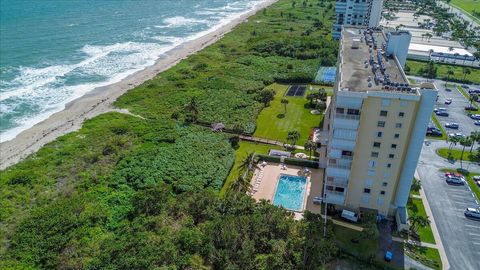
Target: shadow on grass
[[281, 115]]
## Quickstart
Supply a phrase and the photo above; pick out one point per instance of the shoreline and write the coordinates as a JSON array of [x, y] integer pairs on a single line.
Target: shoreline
[[100, 100]]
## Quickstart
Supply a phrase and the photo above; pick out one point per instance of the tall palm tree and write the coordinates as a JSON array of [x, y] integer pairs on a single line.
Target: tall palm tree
[[465, 142], [293, 136], [465, 72], [416, 185], [284, 101], [453, 141], [310, 146], [240, 185], [247, 163], [192, 109], [417, 220], [475, 135], [449, 73]]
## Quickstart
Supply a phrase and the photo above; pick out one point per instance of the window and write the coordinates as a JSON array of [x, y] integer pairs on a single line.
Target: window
[[379, 134], [372, 163], [376, 144], [394, 146], [384, 184], [383, 113], [367, 190], [382, 192], [371, 172], [347, 153], [374, 154], [397, 136], [368, 183], [401, 114], [380, 201], [398, 125], [340, 110], [381, 124], [389, 165], [353, 112], [391, 156], [385, 102], [365, 199], [404, 103], [339, 189]]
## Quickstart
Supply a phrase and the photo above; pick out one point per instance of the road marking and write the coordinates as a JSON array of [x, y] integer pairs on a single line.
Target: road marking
[[474, 234], [476, 243], [471, 226]]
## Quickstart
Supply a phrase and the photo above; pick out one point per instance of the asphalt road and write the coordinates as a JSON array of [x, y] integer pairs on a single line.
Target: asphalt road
[[460, 236], [456, 109]]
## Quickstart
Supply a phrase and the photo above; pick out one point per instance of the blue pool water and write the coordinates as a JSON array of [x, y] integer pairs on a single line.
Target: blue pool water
[[290, 192]]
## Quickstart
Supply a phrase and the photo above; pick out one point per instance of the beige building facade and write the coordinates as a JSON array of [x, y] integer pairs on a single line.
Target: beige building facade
[[377, 124]]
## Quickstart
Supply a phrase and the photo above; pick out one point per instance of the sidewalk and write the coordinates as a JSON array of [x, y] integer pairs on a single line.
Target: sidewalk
[[433, 226]]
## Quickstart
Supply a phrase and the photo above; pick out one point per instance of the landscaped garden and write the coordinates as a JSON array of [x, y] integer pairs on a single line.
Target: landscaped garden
[[470, 7], [426, 255], [278, 119], [456, 154], [416, 209]]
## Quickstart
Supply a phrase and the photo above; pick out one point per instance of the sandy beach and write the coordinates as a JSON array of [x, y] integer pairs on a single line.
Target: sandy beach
[[100, 100]]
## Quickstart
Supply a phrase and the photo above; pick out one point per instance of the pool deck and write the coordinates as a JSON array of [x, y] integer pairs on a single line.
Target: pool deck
[[271, 173]]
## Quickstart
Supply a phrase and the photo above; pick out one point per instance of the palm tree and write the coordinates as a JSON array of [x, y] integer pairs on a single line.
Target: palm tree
[[310, 146], [475, 135], [241, 185], [293, 136], [449, 72], [247, 163], [192, 108], [465, 72], [465, 142], [416, 185], [285, 102], [453, 141], [417, 220], [473, 97]]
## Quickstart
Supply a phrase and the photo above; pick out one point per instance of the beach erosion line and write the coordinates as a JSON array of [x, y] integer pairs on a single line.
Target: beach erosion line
[[100, 100]]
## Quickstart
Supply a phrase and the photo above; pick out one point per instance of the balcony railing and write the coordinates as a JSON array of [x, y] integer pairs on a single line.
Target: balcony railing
[[347, 116], [335, 197]]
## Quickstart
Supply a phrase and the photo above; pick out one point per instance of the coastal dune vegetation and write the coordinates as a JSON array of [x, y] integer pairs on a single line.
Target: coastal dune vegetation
[[141, 191]]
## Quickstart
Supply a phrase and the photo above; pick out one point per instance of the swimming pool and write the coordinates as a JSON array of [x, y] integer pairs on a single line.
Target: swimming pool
[[290, 192]]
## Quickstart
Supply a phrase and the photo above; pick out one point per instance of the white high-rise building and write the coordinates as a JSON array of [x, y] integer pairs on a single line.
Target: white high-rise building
[[356, 12]]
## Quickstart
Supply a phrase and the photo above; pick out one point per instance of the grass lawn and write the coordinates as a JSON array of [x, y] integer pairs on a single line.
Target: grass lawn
[[456, 154], [469, 177], [439, 126], [272, 123], [415, 67], [467, 7], [425, 255], [240, 154], [416, 206], [467, 96], [364, 247]]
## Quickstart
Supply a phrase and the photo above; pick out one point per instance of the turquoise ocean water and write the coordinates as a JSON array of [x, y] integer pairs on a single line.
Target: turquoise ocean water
[[54, 51]]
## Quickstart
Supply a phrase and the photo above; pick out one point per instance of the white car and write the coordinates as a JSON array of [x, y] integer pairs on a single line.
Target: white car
[[455, 181], [448, 101], [475, 116], [472, 212], [457, 135]]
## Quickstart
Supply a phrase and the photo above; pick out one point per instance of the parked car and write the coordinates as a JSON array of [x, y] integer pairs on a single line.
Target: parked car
[[472, 212], [442, 113], [476, 123], [455, 181], [435, 132], [448, 101], [317, 200], [448, 89], [456, 135], [473, 91], [476, 179], [452, 125], [349, 215], [475, 116], [470, 108], [465, 86], [439, 109], [454, 174]]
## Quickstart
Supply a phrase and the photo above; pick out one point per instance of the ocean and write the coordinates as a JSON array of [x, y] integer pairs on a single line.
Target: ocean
[[52, 52]]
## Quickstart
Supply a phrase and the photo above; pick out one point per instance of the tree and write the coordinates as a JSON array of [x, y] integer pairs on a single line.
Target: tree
[[466, 71], [284, 102], [475, 136], [192, 109], [247, 163], [473, 97], [293, 137], [416, 185], [453, 141], [310, 146], [240, 185], [417, 221], [449, 72], [267, 95], [464, 142]]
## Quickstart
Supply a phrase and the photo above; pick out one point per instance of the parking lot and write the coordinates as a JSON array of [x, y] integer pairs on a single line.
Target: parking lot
[[456, 110], [460, 235]]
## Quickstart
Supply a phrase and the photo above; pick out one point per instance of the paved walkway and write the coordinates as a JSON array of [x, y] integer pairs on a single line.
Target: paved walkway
[[265, 141]]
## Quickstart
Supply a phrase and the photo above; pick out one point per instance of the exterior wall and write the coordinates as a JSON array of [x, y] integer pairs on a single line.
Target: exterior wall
[[375, 13], [427, 102], [356, 12], [397, 44], [368, 172]]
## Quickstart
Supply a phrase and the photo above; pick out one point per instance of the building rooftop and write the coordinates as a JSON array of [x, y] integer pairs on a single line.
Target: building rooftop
[[438, 49], [365, 65]]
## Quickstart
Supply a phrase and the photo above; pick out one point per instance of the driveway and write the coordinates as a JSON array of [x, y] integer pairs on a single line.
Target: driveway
[[460, 236]]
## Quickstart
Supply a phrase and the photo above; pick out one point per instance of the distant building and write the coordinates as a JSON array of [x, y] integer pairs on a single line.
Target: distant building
[[377, 123], [442, 54], [356, 12]]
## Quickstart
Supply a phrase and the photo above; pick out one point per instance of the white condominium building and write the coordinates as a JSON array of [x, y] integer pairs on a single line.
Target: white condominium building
[[376, 122], [356, 12]]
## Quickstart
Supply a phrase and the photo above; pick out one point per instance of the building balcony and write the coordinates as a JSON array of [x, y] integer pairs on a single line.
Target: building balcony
[[342, 144], [338, 171], [338, 182], [346, 123], [335, 197]]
